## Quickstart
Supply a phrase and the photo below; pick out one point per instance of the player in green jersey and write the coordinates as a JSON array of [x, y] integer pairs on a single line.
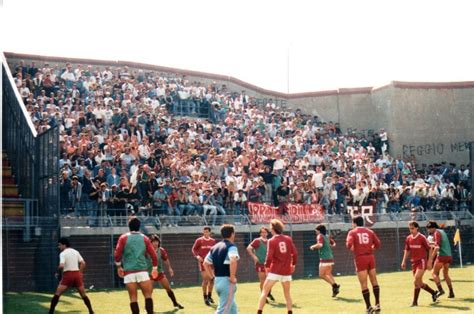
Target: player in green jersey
[[258, 251], [326, 257], [162, 256], [444, 258]]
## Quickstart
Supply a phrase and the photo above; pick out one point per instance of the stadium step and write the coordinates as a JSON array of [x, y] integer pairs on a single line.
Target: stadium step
[[9, 187], [6, 170], [13, 209], [10, 191]]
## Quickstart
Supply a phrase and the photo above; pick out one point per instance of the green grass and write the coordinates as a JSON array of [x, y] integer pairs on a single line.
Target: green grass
[[309, 296]]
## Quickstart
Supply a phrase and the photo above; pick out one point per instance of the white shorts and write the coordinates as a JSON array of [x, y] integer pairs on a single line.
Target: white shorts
[[280, 278], [136, 277], [326, 264]]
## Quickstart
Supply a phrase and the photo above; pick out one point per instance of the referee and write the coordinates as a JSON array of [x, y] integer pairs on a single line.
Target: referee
[[224, 256]]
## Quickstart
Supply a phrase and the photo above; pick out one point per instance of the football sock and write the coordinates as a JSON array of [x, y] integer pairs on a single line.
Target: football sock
[[415, 295], [451, 291], [334, 285], [172, 297], [54, 302], [134, 307], [376, 290], [205, 297], [149, 305], [440, 288], [366, 295], [259, 312], [87, 302], [427, 289], [209, 295]]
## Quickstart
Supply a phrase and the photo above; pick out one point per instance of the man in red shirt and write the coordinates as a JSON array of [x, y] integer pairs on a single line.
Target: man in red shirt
[[201, 247], [362, 242], [279, 264], [418, 246]]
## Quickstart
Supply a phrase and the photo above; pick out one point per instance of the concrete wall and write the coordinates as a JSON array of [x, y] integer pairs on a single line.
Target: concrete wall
[[431, 121], [433, 124]]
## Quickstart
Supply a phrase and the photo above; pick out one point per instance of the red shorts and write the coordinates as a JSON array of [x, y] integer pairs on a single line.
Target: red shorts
[[444, 259], [201, 266], [259, 268], [419, 264], [72, 279], [161, 276], [364, 262]]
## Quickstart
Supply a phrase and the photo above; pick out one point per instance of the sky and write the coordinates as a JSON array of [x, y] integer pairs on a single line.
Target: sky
[[295, 46]]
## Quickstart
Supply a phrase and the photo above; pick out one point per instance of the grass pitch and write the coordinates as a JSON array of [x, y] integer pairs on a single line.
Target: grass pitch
[[309, 296]]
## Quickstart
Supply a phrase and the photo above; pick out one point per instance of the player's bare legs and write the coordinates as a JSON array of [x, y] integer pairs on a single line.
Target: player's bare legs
[[325, 273], [448, 280], [85, 298], [147, 290], [286, 293], [166, 285], [436, 268], [362, 276], [207, 286], [267, 287], [54, 301], [375, 288]]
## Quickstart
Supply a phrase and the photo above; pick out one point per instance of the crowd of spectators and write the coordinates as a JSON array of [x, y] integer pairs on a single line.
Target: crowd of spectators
[[123, 148]]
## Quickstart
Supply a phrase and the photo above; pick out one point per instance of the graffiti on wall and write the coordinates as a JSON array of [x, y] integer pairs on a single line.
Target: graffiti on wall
[[434, 149]]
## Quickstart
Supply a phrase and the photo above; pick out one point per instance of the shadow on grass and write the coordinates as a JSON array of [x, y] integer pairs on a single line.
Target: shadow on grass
[[282, 305], [470, 300], [348, 300], [460, 280], [30, 302], [452, 307], [167, 312]]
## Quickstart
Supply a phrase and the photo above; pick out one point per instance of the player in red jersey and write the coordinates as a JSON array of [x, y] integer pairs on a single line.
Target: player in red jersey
[[163, 258], [72, 265], [258, 251], [201, 247], [362, 242], [417, 245], [279, 264]]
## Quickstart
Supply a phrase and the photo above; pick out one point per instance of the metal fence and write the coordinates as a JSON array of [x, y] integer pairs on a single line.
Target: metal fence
[[97, 243]]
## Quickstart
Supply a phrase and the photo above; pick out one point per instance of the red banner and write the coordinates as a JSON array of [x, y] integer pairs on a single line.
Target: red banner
[[293, 213]]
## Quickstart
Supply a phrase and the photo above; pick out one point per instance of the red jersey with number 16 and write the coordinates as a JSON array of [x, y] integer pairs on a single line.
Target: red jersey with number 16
[[281, 255], [362, 241]]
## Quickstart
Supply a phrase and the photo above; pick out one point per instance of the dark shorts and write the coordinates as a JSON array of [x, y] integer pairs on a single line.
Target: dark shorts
[[419, 264], [444, 259], [72, 279], [259, 268], [364, 262]]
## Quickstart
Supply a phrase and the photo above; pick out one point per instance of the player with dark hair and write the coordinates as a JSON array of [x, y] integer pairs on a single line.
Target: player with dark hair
[[326, 257], [221, 263], [162, 256], [257, 249], [444, 258], [362, 242], [280, 264], [417, 245], [72, 266], [131, 259], [201, 247]]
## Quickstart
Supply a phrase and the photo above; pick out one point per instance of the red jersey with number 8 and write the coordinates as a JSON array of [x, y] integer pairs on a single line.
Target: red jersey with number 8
[[362, 241], [281, 255]]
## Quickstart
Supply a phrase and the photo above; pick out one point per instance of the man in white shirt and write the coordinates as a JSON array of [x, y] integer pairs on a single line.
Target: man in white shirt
[[72, 266]]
